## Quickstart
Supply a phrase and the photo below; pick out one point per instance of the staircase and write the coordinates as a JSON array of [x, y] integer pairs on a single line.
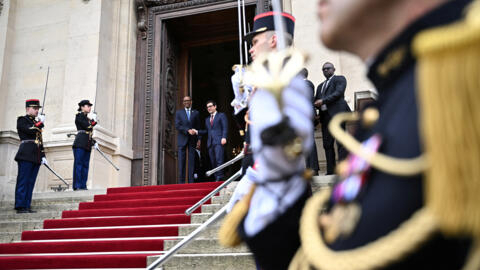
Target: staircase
[[126, 228], [117, 230]]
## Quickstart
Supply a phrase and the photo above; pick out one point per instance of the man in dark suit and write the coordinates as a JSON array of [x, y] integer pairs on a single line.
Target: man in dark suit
[[216, 130], [187, 121], [311, 160], [330, 100]]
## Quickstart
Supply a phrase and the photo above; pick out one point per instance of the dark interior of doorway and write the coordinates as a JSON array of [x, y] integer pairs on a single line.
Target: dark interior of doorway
[[211, 70], [208, 48]]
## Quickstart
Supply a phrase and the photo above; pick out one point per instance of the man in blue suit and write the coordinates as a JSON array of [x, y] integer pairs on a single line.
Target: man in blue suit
[[187, 121], [216, 130]]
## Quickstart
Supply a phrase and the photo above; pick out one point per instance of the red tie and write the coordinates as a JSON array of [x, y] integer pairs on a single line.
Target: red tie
[[211, 120]]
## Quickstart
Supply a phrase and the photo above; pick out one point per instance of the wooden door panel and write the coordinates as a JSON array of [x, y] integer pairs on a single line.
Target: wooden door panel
[[167, 173]]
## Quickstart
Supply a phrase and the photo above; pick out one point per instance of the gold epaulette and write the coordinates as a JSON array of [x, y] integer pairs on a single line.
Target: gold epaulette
[[449, 92]]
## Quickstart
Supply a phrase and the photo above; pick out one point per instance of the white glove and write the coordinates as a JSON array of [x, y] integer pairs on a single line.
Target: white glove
[[44, 161], [96, 146], [239, 102], [41, 118], [94, 117]]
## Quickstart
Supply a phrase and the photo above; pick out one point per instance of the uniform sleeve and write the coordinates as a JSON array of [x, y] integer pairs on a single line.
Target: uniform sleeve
[[339, 92], [280, 175], [82, 122], [26, 127]]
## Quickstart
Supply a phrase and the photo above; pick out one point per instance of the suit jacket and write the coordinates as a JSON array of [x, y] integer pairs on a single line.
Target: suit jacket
[[182, 124], [217, 131], [334, 95], [84, 139], [30, 131]]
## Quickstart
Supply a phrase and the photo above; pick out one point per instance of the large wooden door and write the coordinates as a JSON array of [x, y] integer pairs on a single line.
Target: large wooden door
[[167, 173], [162, 75]]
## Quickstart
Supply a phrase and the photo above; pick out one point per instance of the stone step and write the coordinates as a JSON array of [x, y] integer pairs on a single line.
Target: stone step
[[202, 246], [210, 232], [13, 216], [20, 226], [232, 261], [200, 218], [222, 199], [52, 207], [8, 237], [323, 181], [211, 208], [68, 194], [36, 203]]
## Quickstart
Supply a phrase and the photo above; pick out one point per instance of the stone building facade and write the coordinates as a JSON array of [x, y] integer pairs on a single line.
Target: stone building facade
[[135, 59]]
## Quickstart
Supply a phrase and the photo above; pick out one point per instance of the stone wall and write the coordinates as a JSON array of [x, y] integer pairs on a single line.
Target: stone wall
[[89, 46], [307, 39]]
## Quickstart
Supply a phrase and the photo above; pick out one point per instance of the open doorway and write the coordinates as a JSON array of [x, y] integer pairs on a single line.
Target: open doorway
[[207, 50], [211, 68]]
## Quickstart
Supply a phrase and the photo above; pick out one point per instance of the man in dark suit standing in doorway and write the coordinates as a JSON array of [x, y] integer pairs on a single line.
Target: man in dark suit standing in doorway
[[216, 130], [330, 100], [187, 121]]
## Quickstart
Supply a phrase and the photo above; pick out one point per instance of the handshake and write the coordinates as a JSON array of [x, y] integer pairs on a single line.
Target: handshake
[[193, 131]]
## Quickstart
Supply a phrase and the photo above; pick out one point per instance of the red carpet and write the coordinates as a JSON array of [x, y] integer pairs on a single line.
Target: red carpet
[[134, 221]]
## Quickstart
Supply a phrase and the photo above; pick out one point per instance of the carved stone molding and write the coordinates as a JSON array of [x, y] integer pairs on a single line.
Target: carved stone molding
[[141, 18], [1, 6], [147, 12], [178, 4], [163, 2]]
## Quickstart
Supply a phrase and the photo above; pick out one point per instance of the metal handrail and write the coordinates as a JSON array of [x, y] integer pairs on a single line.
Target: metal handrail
[[160, 261], [189, 211], [226, 164]]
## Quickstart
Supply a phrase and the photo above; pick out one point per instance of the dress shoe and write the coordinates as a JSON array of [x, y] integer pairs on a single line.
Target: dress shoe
[[31, 211], [22, 211]]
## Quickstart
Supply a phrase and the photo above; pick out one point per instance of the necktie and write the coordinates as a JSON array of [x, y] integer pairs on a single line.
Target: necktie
[[324, 86], [188, 114], [211, 120]]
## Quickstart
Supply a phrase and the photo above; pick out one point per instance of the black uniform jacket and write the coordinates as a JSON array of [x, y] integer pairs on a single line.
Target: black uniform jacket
[[386, 200], [84, 136], [30, 133]]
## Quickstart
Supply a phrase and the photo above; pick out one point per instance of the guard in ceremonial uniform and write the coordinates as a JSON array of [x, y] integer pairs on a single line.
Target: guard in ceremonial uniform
[[407, 194], [30, 154], [271, 132], [82, 146]]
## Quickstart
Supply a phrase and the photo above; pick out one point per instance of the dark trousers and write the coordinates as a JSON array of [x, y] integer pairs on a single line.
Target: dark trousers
[[328, 142], [215, 151], [27, 175], [182, 160], [312, 159], [80, 168], [247, 161]]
